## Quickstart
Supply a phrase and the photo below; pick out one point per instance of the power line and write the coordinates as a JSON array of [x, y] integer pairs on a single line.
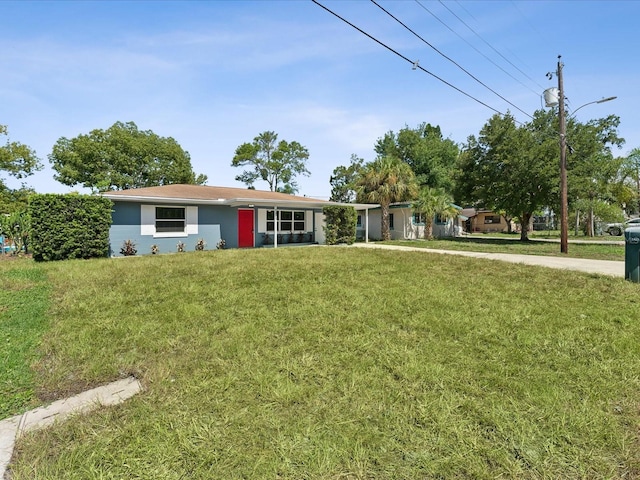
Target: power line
[[526, 19], [450, 59], [474, 47], [414, 63], [489, 45]]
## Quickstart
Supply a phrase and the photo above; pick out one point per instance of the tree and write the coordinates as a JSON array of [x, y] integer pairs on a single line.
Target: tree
[[514, 169], [431, 156], [122, 157], [593, 171], [432, 202], [510, 168], [385, 181], [277, 163], [630, 173], [343, 181], [16, 159], [14, 200]]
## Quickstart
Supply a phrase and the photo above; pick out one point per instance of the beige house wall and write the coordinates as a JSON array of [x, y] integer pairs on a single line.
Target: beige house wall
[[488, 222]]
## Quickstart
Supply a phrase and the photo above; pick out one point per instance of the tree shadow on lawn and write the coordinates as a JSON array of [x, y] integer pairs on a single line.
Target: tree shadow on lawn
[[488, 241]]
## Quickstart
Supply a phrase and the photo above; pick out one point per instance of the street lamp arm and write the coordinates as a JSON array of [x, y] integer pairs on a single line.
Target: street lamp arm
[[602, 100]]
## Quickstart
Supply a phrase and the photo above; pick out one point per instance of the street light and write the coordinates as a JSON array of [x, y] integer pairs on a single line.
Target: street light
[[564, 201], [602, 100]]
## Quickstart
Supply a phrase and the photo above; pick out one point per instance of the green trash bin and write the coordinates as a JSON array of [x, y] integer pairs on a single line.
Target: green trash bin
[[632, 254]]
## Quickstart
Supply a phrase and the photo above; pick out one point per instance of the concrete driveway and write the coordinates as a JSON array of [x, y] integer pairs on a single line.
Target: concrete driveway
[[603, 267]]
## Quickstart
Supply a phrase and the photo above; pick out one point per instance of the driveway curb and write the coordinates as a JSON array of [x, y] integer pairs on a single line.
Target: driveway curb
[[12, 428]]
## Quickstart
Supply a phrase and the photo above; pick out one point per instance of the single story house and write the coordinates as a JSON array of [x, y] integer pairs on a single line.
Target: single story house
[[485, 221], [168, 215], [405, 223]]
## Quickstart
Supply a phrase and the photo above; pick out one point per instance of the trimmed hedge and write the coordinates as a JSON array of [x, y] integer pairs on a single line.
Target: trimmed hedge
[[69, 226], [340, 224]]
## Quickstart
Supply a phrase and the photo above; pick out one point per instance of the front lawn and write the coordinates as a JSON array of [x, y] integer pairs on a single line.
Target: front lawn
[[24, 299], [339, 363]]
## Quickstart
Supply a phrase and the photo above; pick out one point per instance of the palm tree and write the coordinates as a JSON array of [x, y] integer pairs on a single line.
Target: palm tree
[[385, 181], [432, 202]]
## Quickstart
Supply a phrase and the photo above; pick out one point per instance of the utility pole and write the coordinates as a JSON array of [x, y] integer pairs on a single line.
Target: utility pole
[[564, 200]]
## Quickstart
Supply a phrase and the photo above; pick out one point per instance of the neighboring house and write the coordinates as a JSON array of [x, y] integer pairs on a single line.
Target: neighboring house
[[405, 224], [167, 215], [485, 221]]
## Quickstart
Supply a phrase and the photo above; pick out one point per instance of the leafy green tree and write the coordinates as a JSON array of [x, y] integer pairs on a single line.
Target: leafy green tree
[[594, 208], [277, 163], [19, 161], [16, 159], [514, 169], [432, 202], [431, 156], [385, 181], [593, 171], [630, 177], [510, 168], [343, 181], [14, 200], [122, 157]]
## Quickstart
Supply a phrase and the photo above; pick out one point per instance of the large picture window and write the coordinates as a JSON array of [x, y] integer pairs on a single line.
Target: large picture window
[[492, 219], [288, 221], [171, 219]]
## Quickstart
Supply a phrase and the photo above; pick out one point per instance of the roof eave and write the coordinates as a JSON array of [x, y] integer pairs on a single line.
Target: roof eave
[[237, 202]]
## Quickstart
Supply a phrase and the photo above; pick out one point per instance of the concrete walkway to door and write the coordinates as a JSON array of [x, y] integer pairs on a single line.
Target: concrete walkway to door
[[603, 267]]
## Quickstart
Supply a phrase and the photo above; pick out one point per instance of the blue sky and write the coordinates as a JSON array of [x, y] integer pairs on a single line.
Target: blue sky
[[214, 74]]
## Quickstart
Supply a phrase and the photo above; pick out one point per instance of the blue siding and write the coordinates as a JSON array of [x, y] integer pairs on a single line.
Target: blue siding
[[225, 219], [214, 223], [125, 226]]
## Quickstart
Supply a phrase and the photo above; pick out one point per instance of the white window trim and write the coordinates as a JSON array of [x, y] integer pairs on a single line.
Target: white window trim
[[148, 222], [308, 220]]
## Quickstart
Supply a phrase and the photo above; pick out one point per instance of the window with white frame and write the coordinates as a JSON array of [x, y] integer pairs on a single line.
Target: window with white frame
[[168, 220], [171, 219], [288, 221]]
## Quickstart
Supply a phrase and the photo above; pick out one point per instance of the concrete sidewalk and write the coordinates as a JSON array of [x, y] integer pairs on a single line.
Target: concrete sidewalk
[[12, 428], [603, 267]]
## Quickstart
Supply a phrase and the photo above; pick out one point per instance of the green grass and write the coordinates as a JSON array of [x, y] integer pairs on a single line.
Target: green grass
[[23, 305], [511, 244], [555, 234], [327, 363]]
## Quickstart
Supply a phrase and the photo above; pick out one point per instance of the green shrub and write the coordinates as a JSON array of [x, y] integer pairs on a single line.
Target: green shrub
[[340, 225], [69, 226]]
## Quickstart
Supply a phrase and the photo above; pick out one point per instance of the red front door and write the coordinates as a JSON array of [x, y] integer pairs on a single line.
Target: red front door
[[245, 229]]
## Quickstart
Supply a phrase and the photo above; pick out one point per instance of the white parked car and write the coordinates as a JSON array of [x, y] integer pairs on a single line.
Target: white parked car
[[617, 229]]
